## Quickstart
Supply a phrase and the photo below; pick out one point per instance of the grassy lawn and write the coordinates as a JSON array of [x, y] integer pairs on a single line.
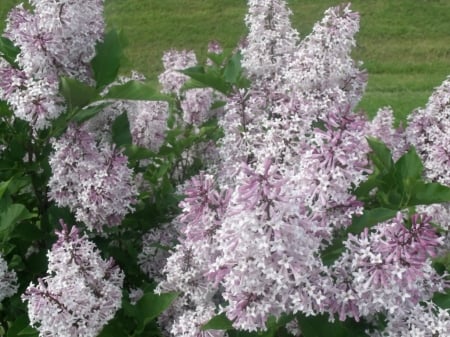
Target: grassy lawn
[[404, 44]]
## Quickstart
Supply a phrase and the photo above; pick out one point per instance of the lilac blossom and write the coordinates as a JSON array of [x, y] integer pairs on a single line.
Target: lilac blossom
[[382, 127], [422, 320], [8, 280], [292, 154], [428, 131], [55, 39], [388, 269], [92, 179], [271, 39], [288, 161], [186, 267], [81, 292], [148, 123], [323, 59], [196, 105], [156, 245], [214, 47], [174, 61]]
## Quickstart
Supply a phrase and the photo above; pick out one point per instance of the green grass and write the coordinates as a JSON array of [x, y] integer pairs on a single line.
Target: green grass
[[404, 44]]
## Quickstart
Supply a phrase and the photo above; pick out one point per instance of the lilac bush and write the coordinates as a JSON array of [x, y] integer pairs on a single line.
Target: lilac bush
[[244, 196]]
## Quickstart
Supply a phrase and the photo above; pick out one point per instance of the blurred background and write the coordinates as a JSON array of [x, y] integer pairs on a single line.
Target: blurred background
[[404, 44]]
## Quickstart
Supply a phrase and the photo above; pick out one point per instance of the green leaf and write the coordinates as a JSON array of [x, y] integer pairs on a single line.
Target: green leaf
[[13, 214], [8, 51], [320, 326], [76, 93], [233, 69], [332, 252], [442, 299], [121, 131], [409, 168], [428, 193], [134, 152], [219, 322], [209, 79], [4, 187], [112, 329], [381, 155], [370, 218], [83, 115], [218, 104], [135, 90], [151, 306], [29, 331], [106, 62], [217, 59], [21, 327]]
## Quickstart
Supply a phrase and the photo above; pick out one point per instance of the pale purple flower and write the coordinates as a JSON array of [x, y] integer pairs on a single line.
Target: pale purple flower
[[271, 39], [214, 47], [92, 179], [8, 280], [55, 39], [428, 131], [81, 292], [388, 269], [422, 320], [174, 61], [156, 245], [382, 127], [196, 105], [148, 122], [323, 59], [292, 154]]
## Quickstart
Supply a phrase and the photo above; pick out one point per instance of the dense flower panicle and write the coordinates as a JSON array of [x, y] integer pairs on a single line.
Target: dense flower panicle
[[156, 245], [428, 131], [148, 122], [92, 179], [382, 127], [174, 61], [388, 269], [81, 292], [288, 161], [56, 39], [271, 39], [35, 100], [186, 268], [293, 152], [323, 59], [182, 320], [333, 161], [8, 280], [423, 320], [196, 105]]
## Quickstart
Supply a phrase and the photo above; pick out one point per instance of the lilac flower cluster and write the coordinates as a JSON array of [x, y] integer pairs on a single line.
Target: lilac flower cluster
[[92, 179], [56, 39], [254, 224], [428, 130], [81, 292], [8, 280], [387, 270], [174, 61], [423, 320], [155, 250]]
